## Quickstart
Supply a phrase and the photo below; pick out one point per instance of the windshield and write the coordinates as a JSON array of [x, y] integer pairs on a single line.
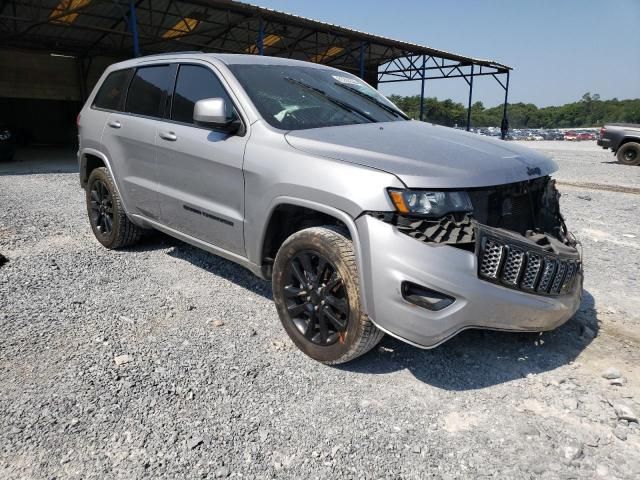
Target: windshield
[[298, 97]]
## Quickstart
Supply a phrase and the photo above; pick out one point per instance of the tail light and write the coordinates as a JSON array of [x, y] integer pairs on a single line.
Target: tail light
[[78, 121], [602, 130]]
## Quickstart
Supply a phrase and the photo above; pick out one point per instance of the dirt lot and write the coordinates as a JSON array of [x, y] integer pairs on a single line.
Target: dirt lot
[[165, 361]]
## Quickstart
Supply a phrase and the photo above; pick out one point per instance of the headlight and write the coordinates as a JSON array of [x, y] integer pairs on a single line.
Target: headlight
[[430, 203]]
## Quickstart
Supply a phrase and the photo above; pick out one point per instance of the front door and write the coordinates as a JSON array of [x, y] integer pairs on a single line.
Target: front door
[[200, 177]]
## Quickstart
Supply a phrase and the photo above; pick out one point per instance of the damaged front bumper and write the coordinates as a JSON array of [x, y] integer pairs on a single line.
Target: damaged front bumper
[[494, 286]]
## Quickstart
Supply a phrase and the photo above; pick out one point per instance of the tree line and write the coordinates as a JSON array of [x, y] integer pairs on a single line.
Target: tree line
[[589, 111]]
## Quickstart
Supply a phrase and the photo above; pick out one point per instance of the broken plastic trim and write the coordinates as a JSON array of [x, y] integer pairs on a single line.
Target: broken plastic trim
[[529, 209]]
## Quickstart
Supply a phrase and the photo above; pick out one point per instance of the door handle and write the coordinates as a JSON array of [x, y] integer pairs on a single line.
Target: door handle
[[170, 136], [115, 124]]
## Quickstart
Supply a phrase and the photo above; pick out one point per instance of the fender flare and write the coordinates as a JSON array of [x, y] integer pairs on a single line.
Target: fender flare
[[331, 211], [82, 163]]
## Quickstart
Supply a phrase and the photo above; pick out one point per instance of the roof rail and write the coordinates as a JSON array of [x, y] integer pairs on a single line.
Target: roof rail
[[171, 53]]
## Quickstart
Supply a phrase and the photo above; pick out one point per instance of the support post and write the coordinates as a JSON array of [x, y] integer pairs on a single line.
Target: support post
[[504, 126], [260, 41], [362, 47], [133, 27], [82, 79], [470, 99], [424, 64]]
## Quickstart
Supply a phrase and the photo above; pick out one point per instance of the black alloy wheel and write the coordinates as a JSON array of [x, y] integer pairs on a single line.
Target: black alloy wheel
[[316, 290], [109, 222], [316, 298], [101, 207], [630, 155]]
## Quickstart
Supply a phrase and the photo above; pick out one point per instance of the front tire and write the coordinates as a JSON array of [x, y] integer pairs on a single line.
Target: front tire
[[317, 295], [629, 154], [108, 219]]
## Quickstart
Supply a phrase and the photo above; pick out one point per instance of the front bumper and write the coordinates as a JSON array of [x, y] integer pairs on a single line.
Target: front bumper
[[390, 258]]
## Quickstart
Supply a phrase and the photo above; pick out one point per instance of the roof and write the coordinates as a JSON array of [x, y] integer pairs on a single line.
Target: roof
[[101, 27], [225, 58]]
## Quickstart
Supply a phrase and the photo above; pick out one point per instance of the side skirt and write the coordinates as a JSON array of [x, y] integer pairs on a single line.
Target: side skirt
[[208, 247]]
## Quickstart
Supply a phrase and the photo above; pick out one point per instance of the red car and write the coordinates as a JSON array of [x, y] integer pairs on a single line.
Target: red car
[[570, 136], [586, 136]]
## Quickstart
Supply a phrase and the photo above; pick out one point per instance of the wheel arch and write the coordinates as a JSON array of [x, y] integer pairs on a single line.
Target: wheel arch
[[284, 208], [90, 158], [628, 139]]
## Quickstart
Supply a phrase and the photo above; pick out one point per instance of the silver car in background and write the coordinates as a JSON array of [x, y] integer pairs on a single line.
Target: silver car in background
[[365, 221]]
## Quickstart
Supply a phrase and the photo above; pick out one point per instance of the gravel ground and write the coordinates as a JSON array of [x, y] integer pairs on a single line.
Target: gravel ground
[[162, 361]]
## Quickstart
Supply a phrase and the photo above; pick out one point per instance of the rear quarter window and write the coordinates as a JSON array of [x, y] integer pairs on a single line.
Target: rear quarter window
[[111, 94]]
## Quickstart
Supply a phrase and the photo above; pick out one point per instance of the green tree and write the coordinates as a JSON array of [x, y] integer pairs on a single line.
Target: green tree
[[589, 111]]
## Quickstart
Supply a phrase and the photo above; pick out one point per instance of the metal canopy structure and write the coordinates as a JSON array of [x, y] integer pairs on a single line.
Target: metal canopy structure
[[120, 29]]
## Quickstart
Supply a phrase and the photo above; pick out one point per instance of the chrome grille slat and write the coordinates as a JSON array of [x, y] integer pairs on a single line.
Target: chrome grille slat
[[491, 259], [572, 269], [513, 266], [557, 281], [532, 271], [548, 271]]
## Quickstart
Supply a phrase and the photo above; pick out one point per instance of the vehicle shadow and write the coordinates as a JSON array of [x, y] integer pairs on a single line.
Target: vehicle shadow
[[471, 360], [213, 264], [477, 359]]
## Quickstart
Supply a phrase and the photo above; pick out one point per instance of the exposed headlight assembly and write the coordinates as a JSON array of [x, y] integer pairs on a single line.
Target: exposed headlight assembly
[[427, 203]]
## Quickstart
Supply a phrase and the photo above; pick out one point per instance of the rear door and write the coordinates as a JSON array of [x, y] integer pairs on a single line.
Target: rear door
[[130, 139], [200, 177]]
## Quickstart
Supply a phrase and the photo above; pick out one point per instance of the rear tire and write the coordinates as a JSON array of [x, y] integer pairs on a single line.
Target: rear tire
[[107, 217], [629, 154], [317, 295]]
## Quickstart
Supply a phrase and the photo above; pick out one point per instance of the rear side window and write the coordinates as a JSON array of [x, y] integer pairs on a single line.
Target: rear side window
[[147, 91], [196, 83], [111, 93]]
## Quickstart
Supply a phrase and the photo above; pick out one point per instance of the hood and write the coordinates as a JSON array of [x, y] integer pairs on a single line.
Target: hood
[[424, 155]]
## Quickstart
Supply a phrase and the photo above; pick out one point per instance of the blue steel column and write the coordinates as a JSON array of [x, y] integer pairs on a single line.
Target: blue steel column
[[470, 96], [424, 64], [260, 41], [362, 46], [504, 127], [133, 27]]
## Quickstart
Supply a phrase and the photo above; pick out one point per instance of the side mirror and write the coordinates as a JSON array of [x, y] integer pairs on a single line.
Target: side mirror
[[212, 112]]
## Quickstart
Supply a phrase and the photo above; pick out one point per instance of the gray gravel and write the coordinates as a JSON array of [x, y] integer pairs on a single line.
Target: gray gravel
[[162, 361]]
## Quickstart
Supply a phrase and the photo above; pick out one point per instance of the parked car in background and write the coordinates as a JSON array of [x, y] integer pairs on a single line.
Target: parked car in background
[[365, 222], [624, 140], [7, 143], [570, 136], [586, 136]]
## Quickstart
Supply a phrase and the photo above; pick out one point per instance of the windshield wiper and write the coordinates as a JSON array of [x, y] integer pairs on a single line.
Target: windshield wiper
[[340, 103], [377, 102]]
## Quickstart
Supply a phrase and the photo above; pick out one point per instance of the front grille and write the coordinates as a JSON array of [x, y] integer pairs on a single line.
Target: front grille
[[525, 265]]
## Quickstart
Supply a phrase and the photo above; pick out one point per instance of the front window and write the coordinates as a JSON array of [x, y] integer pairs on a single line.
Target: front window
[[299, 97]]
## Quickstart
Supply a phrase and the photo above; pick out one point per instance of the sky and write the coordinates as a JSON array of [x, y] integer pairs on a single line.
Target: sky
[[559, 49]]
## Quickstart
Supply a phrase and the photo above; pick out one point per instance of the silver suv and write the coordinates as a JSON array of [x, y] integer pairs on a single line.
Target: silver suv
[[366, 222]]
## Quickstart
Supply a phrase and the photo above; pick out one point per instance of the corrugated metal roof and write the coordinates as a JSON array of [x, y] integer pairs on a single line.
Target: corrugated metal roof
[[100, 27]]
